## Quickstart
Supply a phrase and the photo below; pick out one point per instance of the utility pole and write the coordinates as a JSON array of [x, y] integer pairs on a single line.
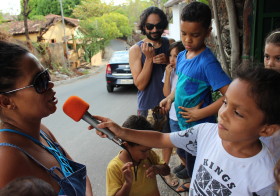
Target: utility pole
[[64, 37]]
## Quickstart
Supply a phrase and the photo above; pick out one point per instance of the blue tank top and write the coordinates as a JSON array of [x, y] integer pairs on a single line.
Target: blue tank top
[[153, 94], [73, 182]]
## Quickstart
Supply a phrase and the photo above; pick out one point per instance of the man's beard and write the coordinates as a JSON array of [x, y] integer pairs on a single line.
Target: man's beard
[[154, 38]]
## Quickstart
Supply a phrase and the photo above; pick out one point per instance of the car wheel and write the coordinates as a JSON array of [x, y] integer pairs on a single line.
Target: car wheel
[[110, 88]]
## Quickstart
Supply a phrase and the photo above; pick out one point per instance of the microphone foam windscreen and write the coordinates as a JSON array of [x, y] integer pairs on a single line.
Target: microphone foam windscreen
[[75, 108]]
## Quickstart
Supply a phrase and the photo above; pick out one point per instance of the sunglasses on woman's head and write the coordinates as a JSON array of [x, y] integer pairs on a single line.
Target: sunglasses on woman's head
[[40, 83], [150, 26]]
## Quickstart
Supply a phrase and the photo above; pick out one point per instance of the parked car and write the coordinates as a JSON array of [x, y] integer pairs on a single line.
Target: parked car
[[118, 72]]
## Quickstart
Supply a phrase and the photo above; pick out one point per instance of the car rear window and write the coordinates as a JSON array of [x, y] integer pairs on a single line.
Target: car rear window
[[119, 57]]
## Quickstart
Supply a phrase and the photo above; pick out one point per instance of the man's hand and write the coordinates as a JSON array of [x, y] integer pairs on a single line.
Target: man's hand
[[160, 59], [148, 51]]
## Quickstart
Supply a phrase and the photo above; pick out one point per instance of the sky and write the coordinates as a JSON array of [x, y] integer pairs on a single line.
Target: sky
[[10, 6], [13, 6]]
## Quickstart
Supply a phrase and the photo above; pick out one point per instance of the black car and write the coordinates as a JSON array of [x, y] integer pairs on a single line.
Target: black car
[[118, 71]]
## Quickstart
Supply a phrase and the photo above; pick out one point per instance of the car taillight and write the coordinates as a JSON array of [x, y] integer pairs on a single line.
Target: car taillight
[[108, 69]]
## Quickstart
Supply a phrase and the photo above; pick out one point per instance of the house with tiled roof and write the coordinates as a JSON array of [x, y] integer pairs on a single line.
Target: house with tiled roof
[[49, 30]]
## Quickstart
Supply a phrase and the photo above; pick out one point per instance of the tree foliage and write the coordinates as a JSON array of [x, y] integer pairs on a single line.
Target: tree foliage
[[92, 8], [98, 31], [45, 7], [133, 10], [1, 18]]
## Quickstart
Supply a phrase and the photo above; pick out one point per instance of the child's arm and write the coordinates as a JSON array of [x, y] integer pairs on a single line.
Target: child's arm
[[145, 138], [167, 82], [126, 170], [167, 101], [196, 113]]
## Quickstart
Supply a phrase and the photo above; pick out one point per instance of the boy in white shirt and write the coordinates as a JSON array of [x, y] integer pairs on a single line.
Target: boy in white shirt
[[231, 160]]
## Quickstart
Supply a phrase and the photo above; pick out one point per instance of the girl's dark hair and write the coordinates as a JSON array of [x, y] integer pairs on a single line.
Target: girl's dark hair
[[179, 45], [197, 12], [273, 37], [147, 12], [137, 122], [10, 57], [265, 90]]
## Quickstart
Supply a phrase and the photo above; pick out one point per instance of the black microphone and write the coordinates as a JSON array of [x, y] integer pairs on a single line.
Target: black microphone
[[77, 109]]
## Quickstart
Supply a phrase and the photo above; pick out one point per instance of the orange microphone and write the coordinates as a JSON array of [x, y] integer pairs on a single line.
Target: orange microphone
[[77, 109]]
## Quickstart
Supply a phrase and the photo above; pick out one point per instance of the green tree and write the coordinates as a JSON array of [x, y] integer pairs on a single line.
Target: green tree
[[121, 22], [98, 31], [45, 7], [1, 18], [133, 10], [92, 8]]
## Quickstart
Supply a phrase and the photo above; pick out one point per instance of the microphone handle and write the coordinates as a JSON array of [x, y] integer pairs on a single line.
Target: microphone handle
[[92, 121]]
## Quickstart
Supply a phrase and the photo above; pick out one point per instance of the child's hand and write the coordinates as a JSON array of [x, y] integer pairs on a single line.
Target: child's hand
[[151, 171], [160, 59], [192, 114], [168, 69], [106, 123], [127, 173], [165, 104]]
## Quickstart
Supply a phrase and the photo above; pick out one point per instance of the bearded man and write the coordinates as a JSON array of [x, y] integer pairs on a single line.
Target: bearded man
[[148, 59]]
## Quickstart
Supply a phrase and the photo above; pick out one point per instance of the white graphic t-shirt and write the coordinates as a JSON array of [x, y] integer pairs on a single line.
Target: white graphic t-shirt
[[217, 173]]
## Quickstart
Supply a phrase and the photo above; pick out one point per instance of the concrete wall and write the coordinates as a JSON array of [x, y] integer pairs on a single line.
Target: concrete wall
[[174, 28], [96, 59], [56, 32]]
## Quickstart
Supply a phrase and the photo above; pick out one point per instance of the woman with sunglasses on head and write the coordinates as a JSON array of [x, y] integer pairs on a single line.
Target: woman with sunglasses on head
[[28, 148]]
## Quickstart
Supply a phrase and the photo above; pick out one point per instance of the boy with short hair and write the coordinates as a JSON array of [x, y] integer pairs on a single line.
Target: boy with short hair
[[231, 159], [199, 73], [135, 177]]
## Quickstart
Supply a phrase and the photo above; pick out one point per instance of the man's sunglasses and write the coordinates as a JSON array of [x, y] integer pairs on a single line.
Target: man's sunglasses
[[151, 26], [40, 83]]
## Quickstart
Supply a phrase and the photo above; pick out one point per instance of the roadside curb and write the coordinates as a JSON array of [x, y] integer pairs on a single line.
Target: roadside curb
[[92, 71]]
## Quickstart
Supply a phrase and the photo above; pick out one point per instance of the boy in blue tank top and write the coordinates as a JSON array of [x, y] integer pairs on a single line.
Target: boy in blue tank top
[[199, 72]]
